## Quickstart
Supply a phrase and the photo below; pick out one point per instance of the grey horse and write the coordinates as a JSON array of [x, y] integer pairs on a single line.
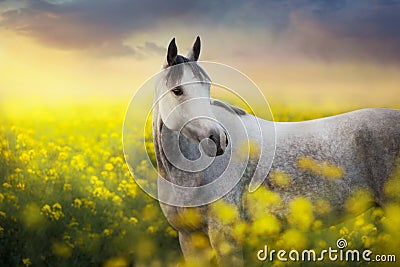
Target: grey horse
[[359, 150]]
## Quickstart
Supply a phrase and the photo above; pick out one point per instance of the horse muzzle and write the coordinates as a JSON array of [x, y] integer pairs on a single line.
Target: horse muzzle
[[216, 138], [215, 144]]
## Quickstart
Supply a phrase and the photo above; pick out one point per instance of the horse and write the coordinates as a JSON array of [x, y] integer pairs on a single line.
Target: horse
[[359, 149]]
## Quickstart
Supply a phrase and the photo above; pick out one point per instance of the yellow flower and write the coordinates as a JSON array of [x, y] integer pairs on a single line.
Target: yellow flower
[[392, 222], [359, 222], [46, 209], [7, 185], [78, 162], [55, 212], [77, 203], [67, 187], [27, 262], [322, 206], [323, 168], [225, 248], [301, 213], [293, 239], [152, 229], [87, 203], [343, 231], [73, 223], [322, 244], [116, 262], [107, 232], [171, 232], [117, 200], [225, 212], [20, 186], [266, 225], [100, 191], [25, 158], [114, 135], [128, 189], [57, 206], [90, 170], [359, 201], [377, 213], [62, 156], [239, 231], [369, 229], [7, 155], [133, 220], [262, 201], [190, 217], [198, 240], [317, 225], [368, 241], [280, 178], [108, 167], [93, 179]]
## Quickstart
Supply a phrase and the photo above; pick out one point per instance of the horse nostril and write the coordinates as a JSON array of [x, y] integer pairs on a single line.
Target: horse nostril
[[212, 137]]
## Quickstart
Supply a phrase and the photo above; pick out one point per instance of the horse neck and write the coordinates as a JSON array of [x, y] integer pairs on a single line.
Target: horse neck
[[165, 168], [157, 127]]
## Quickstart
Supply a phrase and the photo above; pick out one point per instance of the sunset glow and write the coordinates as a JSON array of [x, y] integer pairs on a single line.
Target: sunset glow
[[323, 52]]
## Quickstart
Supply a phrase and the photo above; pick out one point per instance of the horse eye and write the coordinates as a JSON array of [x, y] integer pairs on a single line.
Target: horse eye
[[177, 91]]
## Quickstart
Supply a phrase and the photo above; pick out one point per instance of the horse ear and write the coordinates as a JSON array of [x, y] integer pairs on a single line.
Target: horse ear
[[172, 52], [195, 52]]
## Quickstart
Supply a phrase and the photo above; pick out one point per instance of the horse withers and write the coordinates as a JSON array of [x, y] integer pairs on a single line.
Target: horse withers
[[328, 160]]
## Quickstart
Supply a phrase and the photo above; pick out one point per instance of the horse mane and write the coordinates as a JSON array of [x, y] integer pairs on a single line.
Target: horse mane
[[175, 72], [229, 107]]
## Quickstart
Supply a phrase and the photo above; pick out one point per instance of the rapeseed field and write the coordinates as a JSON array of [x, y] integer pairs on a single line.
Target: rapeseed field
[[67, 198]]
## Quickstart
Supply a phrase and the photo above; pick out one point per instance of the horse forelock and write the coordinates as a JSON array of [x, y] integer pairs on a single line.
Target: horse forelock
[[175, 72]]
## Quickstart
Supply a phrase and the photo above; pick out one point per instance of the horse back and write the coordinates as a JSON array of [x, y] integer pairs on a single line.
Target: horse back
[[364, 144]]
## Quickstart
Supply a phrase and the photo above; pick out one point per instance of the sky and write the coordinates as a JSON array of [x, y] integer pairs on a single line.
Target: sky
[[318, 50]]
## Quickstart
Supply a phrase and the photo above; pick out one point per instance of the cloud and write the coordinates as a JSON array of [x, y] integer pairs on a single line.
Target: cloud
[[153, 48], [322, 28], [97, 25], [364, 30], [333, 30]]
